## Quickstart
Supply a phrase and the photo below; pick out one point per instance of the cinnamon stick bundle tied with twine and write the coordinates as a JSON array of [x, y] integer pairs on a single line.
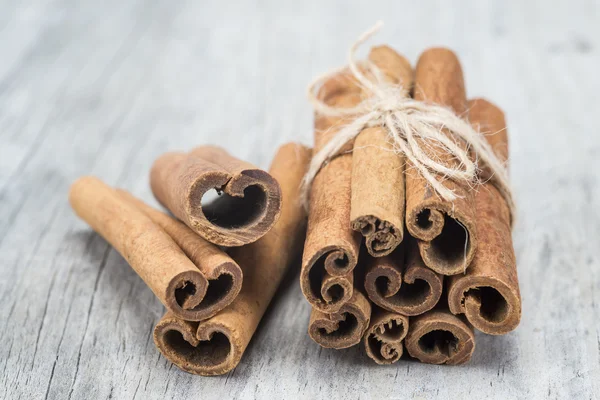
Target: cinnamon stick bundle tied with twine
[[427, 189]]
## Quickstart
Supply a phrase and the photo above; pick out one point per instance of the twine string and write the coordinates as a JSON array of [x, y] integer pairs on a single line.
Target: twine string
[[416, 129]]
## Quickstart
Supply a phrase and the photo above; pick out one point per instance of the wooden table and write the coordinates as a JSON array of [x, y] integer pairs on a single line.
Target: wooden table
[[104, 87]]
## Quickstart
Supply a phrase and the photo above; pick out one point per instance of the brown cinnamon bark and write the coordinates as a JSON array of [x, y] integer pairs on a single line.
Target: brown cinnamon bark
[[249, 204], [215, 346], [401, 282], [446, 231], [197, 297], [177, 282], [439, 337], [343, 328], [383, 339], [331, 247], [489, 292], [378, 192]]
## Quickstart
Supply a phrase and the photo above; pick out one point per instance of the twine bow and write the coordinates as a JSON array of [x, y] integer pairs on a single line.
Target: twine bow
[[417, 129]]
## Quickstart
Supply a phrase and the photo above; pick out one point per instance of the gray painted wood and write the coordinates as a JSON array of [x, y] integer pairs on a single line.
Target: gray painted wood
[[104, 87]]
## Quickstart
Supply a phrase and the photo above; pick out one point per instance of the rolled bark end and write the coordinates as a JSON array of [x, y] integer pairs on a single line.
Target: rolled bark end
[[381, 237], [344, 328], [438, 337], [192, 278], [200, 350], [193, 297], [335, 291], [199, 293], [408, 289], [249, 201], [425, 223], [490, 305], [327, 279], [448, 247], [383, 339]]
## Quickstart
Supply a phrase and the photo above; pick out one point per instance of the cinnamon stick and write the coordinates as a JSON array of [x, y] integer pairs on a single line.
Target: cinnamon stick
[[439, 337], [177, 282], [401, 283], [331, 247], [215, 346], [378, 192], [383, 339], [343, 328], [249, 204], [200, 296], [446, 230], [489, 292]]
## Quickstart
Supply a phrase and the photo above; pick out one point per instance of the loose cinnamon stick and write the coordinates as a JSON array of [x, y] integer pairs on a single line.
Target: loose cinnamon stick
[[383, 339], [446, 231], [153, 254], [331, 247], [402, 283], [343, 328], [489, 292], [215, 346], [439, 337], [378, 192], [200, 296], [250, 199]]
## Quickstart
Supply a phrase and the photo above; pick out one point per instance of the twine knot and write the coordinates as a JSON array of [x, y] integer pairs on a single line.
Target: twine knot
[[416, 129]]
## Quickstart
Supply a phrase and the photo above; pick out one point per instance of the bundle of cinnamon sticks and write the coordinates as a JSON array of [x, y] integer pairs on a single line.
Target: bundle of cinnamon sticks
[[215, 294], [386, 260]]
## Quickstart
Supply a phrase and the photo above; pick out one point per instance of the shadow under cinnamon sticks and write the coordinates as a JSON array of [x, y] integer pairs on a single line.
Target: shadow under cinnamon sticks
[[215, 346]]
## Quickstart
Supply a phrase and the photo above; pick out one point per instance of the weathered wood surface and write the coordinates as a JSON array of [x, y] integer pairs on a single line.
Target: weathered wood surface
[[103, 87]]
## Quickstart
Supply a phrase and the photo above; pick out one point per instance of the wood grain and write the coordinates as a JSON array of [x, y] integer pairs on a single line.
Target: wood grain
[[104, 88]]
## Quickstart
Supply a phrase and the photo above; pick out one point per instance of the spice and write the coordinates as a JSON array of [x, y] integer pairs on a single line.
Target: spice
[[331, 247], [439, 337], [343, 328], [378, 193], [215, 346], [383, 339], [401, 282], [200, 298], [488, 294], [446, 230], [177, 282], [249, 202]]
